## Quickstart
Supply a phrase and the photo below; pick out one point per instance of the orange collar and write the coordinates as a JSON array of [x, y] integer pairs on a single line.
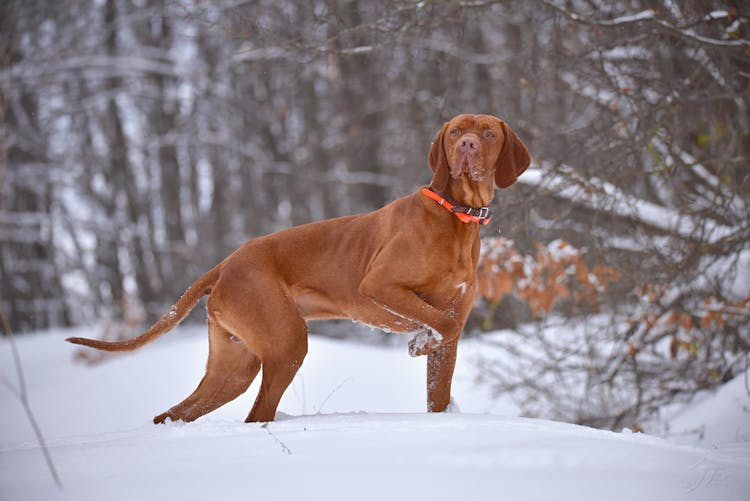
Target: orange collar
[[481, 215]]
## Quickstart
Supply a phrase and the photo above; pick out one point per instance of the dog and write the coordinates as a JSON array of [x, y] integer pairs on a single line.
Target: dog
[[409, 267]]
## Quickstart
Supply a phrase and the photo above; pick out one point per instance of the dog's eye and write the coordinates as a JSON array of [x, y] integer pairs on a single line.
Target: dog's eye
[[489, 134], [455, 132]]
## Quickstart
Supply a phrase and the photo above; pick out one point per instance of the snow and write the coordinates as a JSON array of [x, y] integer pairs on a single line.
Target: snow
[[719, 419], [641, 16], [351, 426]]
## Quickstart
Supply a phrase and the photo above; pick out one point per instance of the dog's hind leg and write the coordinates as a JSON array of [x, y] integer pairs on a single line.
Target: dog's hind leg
[[230, 370], [280, 364]]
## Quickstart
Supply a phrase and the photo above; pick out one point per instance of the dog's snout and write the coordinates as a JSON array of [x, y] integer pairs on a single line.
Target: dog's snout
[[468, 143]]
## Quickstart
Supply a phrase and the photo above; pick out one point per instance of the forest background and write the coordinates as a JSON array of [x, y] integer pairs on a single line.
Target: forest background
[[141, 141]]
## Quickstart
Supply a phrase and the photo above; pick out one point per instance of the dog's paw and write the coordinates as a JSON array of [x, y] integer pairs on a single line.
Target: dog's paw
[[424, 342], [167, 417], [162, 418]]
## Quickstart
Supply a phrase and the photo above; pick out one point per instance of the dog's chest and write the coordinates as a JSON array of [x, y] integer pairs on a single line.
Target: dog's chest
[[452, 282], [460, 267]]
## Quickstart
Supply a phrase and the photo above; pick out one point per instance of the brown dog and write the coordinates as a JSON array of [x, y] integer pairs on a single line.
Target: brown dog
[[409, 267]]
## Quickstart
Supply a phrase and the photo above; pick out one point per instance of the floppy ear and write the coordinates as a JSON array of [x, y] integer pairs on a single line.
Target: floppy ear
[[513, 159], [439, 162]]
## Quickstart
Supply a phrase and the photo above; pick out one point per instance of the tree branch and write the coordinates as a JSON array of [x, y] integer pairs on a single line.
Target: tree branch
[[648, 16]]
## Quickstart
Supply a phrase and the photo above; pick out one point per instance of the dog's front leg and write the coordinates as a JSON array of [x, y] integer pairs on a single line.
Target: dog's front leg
[[440, 365], [439, 327]]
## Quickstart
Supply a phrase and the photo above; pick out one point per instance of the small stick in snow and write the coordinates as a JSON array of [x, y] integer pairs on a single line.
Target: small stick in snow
[[320, 409], [23, 397], [283, 446]]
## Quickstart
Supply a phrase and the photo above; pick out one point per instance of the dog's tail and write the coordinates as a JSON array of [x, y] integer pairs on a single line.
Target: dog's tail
[[174, 316]]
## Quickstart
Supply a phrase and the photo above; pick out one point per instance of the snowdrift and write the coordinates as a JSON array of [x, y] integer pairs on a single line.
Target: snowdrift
[[352, 427]]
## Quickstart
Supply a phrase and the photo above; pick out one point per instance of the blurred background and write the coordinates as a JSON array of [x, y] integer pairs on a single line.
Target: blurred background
[[141, 141]]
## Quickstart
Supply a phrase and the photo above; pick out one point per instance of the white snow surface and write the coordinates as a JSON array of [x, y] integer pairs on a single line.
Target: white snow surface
[[351, 426]]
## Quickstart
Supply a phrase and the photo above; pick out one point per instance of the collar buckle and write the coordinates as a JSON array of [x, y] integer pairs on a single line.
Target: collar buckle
[[479, 212]]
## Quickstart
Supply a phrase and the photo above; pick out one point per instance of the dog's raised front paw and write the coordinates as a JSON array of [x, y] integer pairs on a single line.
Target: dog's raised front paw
[[424, 342]]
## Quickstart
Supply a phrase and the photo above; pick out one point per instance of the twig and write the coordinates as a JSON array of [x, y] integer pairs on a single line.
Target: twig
[[646, 16], [320, 409], [286, 450], [23, 397]]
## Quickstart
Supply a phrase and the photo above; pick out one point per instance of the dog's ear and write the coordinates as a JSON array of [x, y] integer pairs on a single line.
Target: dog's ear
[[513, 160], [439, 162]]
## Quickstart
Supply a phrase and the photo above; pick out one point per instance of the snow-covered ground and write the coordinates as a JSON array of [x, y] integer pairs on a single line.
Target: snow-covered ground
[[351, 426]]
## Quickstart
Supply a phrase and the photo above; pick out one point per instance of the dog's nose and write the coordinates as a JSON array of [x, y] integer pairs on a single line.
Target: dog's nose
[[468, 143]]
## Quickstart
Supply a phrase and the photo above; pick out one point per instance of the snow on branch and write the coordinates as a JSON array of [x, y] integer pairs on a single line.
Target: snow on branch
[[597, 194], [446, 46], [361, 49], [649, 16], [111, 66], [264, 54]]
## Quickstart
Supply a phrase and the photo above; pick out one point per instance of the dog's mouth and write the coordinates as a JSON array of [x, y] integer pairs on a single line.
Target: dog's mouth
[[468, 165], [464, 164]]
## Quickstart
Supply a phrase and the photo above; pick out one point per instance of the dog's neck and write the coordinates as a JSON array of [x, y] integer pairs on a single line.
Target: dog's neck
[[471, 193]]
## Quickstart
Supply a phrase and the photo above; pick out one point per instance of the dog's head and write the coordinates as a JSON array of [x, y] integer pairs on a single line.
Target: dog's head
[[478, 147]]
